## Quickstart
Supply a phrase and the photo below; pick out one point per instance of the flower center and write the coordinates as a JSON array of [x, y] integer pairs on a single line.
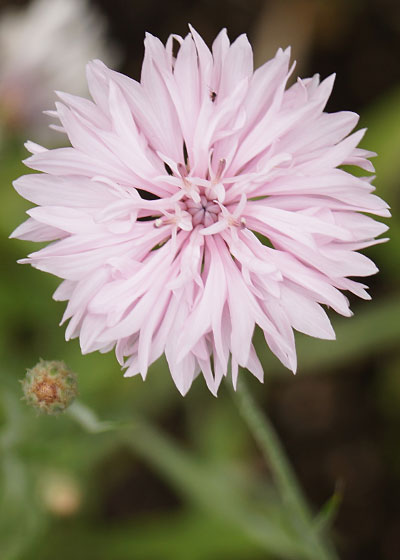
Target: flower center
[[204, 212], [46, 390], [201, 202]]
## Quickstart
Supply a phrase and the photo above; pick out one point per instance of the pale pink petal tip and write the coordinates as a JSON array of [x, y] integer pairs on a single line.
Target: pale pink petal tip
[[158, 208]]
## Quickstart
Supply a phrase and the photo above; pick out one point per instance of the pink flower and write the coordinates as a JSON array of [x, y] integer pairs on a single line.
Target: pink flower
[[198, 203]]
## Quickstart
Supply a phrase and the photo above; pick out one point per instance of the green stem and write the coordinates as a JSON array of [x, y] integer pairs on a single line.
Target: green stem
[[282, 472], [198, 482], [213, 492], [88, 420], [205, 487]]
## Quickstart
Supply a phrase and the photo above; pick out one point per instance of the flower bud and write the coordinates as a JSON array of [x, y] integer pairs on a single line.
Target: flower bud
[[50, 387], [60, 493]]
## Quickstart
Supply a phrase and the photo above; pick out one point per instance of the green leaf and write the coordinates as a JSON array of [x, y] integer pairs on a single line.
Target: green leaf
[[325, 518], [173, 536], [217, 494]]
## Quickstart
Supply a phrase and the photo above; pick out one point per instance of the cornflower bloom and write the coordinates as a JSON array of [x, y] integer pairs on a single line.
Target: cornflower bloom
[[198, 203]]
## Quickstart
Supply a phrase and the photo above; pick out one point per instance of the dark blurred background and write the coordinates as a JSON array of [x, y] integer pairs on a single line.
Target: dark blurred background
[[339, 418]]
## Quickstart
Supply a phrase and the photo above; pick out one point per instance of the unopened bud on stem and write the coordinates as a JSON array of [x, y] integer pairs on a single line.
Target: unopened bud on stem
[[50, 387]]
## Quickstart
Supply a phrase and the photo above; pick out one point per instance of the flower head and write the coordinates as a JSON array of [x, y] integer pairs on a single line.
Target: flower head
[[201, 202], [44, 47]]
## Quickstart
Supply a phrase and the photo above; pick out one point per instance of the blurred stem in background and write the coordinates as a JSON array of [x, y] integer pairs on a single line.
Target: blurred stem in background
[[296, 536], [272, 449], [284, 477]]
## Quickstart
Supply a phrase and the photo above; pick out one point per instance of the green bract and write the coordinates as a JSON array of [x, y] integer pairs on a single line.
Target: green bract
[[50, 387]]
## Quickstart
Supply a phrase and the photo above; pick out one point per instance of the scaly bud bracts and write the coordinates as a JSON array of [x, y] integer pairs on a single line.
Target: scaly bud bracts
[[50, 387]]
